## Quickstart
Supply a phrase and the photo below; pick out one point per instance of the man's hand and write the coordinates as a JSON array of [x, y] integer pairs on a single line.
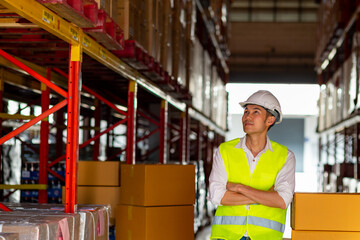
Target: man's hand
[[232, 186]]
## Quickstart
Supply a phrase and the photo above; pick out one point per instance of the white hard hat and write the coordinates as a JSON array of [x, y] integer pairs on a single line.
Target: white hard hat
[[266, 100]]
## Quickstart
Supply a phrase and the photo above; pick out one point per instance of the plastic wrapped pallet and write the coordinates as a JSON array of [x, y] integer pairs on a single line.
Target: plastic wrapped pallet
[[94, 219], [222, 103], [214, 93], [9, 236], [167, 40], [196, 80], [206, 90], [330, 104], [41, 225], [347, 66], [322, 108], [179, 42], [339, 93]]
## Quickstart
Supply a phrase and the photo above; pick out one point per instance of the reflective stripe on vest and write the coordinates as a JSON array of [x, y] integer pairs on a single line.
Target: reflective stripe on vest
[[229, 220], [267, 223], [241, 220]]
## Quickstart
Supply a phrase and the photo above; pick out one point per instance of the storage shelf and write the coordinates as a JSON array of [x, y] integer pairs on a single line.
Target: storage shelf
[[210, 30], [40, 15]]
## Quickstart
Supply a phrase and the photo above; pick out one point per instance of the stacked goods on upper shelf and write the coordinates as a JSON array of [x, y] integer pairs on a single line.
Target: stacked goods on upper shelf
[[94, 16], [333, 18], [219, 10], [336, 59]]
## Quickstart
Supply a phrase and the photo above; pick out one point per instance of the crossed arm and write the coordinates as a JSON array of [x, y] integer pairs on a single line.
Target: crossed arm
[[239, 194]]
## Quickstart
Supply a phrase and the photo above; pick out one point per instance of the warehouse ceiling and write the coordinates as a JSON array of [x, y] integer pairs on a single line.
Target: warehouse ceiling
[[273, 41]]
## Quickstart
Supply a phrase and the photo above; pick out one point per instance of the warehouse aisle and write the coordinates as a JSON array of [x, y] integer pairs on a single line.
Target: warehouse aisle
[[204, 234]]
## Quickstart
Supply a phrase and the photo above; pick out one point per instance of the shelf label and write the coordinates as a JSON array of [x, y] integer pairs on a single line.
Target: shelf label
[[102, 53], [86, 42], [48, 17], [74, 34]]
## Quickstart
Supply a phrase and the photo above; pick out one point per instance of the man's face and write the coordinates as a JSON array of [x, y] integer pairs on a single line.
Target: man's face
[[255, 120]]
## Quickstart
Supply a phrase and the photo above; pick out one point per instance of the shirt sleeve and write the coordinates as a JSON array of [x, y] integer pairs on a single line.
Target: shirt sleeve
[[218, 179], [285, 180]]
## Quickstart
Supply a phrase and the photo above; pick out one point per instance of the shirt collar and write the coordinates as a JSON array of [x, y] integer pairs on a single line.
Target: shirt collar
[[241, 143]]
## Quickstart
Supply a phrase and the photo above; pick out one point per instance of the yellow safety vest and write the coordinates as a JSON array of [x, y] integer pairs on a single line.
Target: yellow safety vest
[[259, 221]]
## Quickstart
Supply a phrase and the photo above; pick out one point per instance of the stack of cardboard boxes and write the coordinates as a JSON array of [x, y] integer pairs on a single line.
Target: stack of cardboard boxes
[[99, 183], [325, 216], [156, 202]]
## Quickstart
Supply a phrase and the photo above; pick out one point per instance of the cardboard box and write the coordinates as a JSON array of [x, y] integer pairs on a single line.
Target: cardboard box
[[157, 185], [154, 223], [128, 19], [98, 173], [324, 235], [326, 212]]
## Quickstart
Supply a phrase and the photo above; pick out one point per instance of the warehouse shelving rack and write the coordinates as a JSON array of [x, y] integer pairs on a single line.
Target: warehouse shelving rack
[[67, 41], [339, 151]]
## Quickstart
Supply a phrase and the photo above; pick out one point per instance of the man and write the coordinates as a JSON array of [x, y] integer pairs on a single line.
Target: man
[[252, 178]]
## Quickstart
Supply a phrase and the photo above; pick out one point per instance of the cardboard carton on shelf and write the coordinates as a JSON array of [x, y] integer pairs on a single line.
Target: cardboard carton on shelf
[[99, 173], [325, 212], [328, 235], [157, 185], [154, 223]]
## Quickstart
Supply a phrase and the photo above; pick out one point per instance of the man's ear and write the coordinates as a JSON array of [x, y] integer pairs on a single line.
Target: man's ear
[[270, 120]]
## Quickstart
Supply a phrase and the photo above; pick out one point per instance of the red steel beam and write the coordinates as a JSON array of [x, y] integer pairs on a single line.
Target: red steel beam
[[4, 208], [90, 140], [131, 123], [34, 74], [1, 121], [163, 131], [59, 132], [44, 140], [147, 135], [33, 121], [144, 115], [114, 155], [104, 100], [55, 174], [72, 142], [173, 127], [98, 96]]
